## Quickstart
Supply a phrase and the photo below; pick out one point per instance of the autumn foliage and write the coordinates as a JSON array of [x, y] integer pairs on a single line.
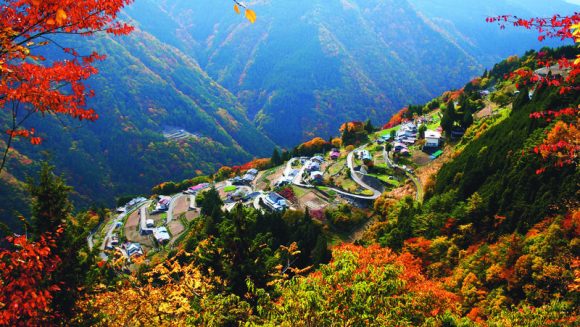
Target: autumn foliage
[[396, 119], [31, 83], [26, 290], [560, 147]]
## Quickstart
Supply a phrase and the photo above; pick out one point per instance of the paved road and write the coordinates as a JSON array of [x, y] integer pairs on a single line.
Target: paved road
[[411, 176], [355, 175], [298, 182]]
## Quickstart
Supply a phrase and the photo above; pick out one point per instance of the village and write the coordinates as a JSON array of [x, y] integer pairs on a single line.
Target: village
[[315, 183]]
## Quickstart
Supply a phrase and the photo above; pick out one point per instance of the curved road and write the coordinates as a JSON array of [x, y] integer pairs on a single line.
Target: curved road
[[354, 175]]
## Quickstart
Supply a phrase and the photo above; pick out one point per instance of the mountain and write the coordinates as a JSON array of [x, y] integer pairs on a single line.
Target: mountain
[[310, 65], [464, 23], [145, 89]]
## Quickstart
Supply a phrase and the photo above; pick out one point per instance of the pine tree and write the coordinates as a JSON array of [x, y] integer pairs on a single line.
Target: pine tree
[[467, 119], [50, 203], [276, 158]]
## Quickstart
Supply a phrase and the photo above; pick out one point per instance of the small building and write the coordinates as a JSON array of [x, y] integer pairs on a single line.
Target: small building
[[252, 172], [163, 203], [275, 201], [432, 138], [312, 166], [436, 154], [133, 249], [150, 223], [238, 181], [248, 178], [316, 177], [399, 146], [197, 188], [335, 154], [161, 235], [318, 159]]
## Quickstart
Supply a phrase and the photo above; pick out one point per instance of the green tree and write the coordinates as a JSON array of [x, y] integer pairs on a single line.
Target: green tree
[[51, 206], [422, 130], [276, 158], [467, 119]]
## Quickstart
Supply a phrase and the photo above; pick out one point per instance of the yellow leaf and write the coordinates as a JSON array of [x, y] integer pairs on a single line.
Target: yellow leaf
[[577, 61], [60, 16], [236, 8], [50, 21], [251, 15]]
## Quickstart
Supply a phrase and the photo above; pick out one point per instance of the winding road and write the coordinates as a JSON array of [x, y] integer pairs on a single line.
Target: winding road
[[297, 180]]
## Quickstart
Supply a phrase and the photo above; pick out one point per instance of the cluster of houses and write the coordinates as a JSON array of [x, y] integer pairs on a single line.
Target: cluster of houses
[[147, 227], [407, 135], [312, 168]]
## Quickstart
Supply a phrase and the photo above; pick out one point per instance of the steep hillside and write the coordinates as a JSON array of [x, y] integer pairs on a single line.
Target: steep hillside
[[145, 89], [310, 65], [464, 23]]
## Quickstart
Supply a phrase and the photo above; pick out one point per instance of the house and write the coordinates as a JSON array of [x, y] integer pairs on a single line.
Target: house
[[335, 154], [316, 177], [135, 202], [399, 146], [163, 203], [161, 235], [312, 166], [248, 178], [238, 181], [197, 188], [275, 201], [252, 172], [457, 132], [318, 159], [432, 138], [133, 249]]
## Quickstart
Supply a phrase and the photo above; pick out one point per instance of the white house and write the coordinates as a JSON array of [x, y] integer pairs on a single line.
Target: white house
[[432, 138], [161, 235]]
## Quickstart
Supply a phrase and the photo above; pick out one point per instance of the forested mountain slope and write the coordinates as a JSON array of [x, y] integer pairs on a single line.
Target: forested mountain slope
[[311, 65], [145, 89]]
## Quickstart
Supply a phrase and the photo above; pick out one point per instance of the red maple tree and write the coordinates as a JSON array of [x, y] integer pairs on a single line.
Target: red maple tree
[[26, 290], [29, 83]]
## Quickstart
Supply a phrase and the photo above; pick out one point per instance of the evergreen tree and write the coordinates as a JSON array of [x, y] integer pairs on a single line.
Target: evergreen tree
[[447, 120], [522, 98], [51, 206], [422, 130], [369, 127], [467, 119], [276, 158], [212, 203]]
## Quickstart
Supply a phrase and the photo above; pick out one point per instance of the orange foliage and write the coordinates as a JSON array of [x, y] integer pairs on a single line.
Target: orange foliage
[[376, 256], [353, 126], [396, 119], [258, 164], [561, 145]]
